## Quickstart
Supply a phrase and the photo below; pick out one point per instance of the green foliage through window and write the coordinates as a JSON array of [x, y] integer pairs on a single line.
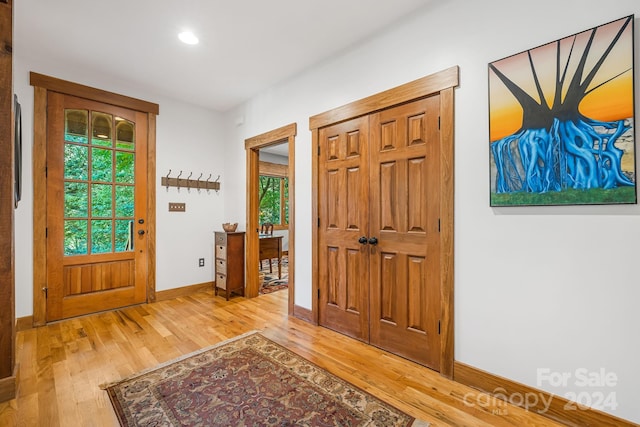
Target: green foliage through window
[[99, 183], [273, 199]]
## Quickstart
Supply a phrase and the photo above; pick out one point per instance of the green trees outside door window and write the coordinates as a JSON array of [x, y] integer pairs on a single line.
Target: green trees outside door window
[[99, 170]]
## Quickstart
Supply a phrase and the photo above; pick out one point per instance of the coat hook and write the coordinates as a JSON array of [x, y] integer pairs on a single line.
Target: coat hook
[[199, 183], [218, 178], [178, 180], [189, 182], [206, 183], [167, 180]]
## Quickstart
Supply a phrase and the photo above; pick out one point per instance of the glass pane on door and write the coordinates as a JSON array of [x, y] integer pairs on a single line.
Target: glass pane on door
[[98, 214]]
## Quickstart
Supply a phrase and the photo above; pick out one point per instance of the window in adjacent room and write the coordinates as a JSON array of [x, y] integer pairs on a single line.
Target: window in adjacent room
[[273, 200]]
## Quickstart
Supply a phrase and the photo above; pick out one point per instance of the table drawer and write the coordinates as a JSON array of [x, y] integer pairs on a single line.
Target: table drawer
[[221, 281], [221, 266], [221, 251], [221, 239]]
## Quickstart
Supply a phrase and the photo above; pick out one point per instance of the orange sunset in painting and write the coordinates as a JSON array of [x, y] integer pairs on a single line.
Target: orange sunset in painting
[[611, 101], [561, 116]]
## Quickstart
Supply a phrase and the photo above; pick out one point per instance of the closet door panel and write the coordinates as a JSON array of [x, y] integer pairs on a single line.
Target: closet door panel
[[388, 207], [343, 262], [404, 206]]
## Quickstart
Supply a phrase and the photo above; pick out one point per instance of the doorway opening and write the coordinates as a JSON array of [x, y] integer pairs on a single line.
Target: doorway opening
[[273, 217], [270, 210]]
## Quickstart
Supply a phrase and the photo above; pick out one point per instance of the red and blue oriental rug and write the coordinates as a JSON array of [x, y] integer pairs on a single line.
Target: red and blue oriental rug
[[270, 282], [247, 381]]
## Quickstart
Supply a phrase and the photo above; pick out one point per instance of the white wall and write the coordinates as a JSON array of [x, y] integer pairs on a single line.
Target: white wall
[[273, 158], [188, 139], [535, 287]]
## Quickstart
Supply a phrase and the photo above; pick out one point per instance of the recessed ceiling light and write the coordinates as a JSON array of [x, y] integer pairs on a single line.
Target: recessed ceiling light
[[188, 37]]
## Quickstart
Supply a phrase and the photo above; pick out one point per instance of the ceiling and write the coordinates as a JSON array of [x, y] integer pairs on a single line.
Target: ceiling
[[245, 46]]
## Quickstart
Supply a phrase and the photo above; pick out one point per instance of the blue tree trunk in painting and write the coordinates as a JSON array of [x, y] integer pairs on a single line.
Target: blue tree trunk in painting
[[557, 147], [572, 154]]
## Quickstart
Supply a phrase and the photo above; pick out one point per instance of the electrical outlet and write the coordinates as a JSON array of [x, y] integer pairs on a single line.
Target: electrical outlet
[[200, 262], [177, 207]]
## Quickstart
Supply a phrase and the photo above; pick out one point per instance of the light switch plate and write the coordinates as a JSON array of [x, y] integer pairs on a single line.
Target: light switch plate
[[177, 207]]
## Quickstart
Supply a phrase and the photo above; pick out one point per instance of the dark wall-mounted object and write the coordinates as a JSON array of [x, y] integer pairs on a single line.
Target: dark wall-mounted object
[[17, 166]]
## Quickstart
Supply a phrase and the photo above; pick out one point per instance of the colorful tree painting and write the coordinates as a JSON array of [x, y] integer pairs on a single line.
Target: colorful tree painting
[[561, 120]]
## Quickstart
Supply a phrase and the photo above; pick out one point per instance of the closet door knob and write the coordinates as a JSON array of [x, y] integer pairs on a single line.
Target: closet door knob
[[362, 240], [373, 241]]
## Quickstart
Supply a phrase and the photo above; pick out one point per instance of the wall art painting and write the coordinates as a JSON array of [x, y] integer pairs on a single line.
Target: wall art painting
[[561, 121]]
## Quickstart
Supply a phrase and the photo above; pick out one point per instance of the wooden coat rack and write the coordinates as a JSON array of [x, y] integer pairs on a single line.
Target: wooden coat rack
[[199, 184]]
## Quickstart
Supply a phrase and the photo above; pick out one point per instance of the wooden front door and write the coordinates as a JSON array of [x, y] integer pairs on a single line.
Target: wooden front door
[[379, 242], [96, 207]]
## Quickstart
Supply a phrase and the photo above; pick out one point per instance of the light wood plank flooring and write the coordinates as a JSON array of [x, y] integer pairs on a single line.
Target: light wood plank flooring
[[62, 365]]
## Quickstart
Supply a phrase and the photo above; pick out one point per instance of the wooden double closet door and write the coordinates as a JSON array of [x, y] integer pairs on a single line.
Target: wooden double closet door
[[379, 238]]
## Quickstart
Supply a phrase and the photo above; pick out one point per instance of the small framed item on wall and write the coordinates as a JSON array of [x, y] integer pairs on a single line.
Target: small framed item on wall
[[561, 121], [17, 156]]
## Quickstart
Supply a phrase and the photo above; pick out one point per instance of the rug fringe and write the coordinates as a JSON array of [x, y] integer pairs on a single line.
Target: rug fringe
[[105, 386]]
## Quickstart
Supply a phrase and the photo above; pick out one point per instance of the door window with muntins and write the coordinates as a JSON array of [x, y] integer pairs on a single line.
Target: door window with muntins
[[99, 171]]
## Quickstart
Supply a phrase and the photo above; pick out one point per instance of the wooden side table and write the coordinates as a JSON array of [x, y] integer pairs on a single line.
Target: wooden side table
[[229, 262]]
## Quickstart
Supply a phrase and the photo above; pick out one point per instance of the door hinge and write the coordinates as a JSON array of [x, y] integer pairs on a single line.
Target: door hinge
[[318, 293], [318, 150], [438, 225], [438, 122], [46, 292], [318, 222], [46, 232], [46, 171], [438, 327]]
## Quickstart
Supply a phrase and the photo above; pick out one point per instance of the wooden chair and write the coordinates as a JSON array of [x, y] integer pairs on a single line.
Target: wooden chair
[[267, 229]]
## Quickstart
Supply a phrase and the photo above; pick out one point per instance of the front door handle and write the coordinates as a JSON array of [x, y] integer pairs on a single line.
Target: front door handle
[[373, 241]]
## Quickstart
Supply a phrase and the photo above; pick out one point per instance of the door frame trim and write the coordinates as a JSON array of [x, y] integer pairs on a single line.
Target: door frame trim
[[42, 84], [252, 146], [442, 82]]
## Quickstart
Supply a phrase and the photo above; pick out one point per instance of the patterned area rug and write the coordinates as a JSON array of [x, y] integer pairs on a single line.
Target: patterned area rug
[[271, 283], [247, 381]]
